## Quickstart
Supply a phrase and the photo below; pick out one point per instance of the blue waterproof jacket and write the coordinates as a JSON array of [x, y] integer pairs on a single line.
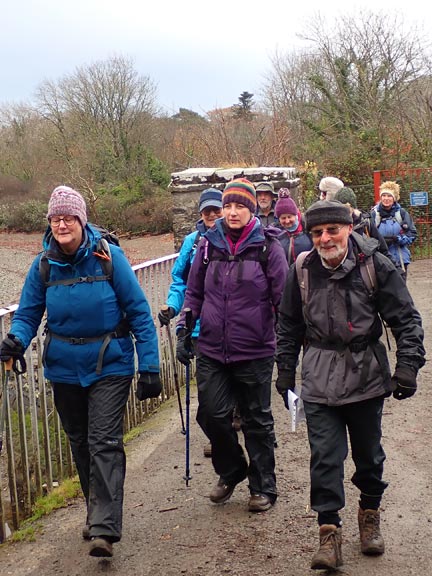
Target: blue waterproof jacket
[[236, 300], [180, 271], [398, 235], [85, 310]]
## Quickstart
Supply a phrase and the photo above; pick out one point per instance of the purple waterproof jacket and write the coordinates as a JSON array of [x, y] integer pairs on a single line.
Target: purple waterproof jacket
[[237, 301]]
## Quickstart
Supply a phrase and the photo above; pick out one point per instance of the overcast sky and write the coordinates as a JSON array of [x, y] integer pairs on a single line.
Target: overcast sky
[[200, 55]]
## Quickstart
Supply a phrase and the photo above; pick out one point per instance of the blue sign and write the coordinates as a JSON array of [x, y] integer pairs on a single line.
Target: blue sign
[[419, 198]]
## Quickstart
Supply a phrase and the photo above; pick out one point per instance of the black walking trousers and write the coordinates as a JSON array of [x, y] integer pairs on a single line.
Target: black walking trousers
[[247, 384], [92, 418], [327, 430]]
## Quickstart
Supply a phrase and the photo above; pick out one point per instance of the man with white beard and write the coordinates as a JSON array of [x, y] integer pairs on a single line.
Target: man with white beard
[[332, 305]]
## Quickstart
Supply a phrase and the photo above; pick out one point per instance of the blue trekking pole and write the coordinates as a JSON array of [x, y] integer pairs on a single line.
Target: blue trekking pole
[[188, 320]]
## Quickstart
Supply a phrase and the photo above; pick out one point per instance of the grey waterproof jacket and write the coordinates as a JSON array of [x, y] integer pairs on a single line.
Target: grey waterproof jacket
[[344, 360]]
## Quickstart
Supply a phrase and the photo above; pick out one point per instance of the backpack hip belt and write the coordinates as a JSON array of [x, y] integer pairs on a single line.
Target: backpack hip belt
[[352, 347], [341, 346], [121, 331]]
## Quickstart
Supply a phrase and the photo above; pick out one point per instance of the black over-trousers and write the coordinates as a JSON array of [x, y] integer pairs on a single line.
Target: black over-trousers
[[247, 384], [327, 430], [92, 418]]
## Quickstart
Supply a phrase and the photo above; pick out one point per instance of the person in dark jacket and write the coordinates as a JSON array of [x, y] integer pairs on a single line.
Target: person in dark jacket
[[235, 292], [89, 353], [294, 239], [395, 224], [266, 200], [345, 370], [362, 221]]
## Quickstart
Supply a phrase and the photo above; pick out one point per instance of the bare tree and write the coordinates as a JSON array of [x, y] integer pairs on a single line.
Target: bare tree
[[348, 93], [102, 116]]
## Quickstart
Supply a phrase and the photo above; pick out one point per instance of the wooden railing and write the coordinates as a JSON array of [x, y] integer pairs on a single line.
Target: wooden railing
[[36, 454]]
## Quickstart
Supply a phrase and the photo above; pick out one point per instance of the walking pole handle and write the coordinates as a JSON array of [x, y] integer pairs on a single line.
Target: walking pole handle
[[188, 319], [8, 364]]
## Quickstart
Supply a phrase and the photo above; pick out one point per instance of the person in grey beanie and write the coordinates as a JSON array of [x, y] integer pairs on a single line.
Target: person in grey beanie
[[330, 310], [97, 326]]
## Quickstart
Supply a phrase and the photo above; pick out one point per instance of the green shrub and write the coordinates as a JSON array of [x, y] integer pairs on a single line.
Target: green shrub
[[25, 217], [154, 216]]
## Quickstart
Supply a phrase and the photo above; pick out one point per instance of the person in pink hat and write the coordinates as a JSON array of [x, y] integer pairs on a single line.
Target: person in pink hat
[[97, 323], [294, 239]]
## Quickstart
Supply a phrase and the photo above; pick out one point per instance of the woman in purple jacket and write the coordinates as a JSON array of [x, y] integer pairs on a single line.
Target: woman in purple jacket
[[235, 286]]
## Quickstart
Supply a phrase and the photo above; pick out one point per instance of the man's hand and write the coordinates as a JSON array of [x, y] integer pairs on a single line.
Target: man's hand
[[285, 381], [149, 385], [404, 381], [166, 314], [185, 351]]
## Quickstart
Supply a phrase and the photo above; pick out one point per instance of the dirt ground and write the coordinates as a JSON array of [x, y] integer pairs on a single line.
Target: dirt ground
[[171, 529]]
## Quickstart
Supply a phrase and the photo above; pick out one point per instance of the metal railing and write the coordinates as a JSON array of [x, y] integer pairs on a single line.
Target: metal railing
[[36, 454]]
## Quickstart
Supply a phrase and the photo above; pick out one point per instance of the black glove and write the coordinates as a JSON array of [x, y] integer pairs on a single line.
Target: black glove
[[149, 385], [404, 382], [285, 381], [165, 315], [11, 347], [185, 351]]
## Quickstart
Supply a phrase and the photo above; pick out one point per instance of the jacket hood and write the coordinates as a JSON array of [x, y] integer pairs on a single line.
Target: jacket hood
[[90, 239], [365, 245], [274, 231]]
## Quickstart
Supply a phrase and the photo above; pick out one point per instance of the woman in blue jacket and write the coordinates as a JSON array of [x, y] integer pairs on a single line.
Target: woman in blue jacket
[[395, 224], [210, 209], [89, 352]]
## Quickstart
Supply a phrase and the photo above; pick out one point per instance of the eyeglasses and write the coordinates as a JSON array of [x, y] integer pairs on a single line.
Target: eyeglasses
[[331, 231], [68, 220], [210, 209]]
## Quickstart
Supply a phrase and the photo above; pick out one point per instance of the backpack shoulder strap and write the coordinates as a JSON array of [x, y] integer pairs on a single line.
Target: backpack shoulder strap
[[44, 268], [368, 274], [302, 276], [377, 217], [398, 217], [263, 254], [103, 251]]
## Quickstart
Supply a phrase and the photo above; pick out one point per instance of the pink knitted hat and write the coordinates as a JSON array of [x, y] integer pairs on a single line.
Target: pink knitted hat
[[285, 204], [66, 201]]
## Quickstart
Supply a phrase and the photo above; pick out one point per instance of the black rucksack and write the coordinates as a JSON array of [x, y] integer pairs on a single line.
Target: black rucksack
[[367, 272], [259, 254], [103, 251]]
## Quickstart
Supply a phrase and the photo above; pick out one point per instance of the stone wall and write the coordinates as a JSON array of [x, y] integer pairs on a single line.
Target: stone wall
[[186, 188]]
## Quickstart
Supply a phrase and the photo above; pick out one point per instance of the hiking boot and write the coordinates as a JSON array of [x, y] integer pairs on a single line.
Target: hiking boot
[[329, 554], [221, 492], [86, 532], [372, 543], [259, 503], [101, 547], [208, 450]]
